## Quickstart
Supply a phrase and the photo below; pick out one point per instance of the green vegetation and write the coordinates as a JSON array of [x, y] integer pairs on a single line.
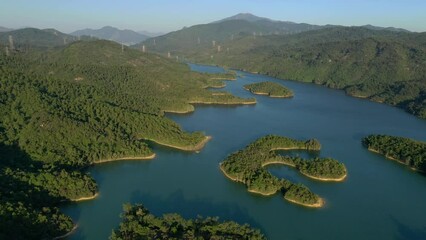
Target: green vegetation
[[384, 66], [139, 223], [248, 166], [28, 38], [269, 88], [110, 33], [404, 150], [63, 109], [202, 36]]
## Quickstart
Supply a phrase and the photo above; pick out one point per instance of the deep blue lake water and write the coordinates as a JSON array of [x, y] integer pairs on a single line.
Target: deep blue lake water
[[380, 199]]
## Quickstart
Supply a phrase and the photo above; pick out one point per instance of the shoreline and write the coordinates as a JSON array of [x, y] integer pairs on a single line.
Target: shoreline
[[67, 234], [323, 179], [269, 94], [149, 157], [179, 112], [386, 156], [394, 159], [292, 148], [215, 86], [357, 96], [261, 193], [318, 204], [223, 103], [319, 84], [249, 190], [209, 103], [85, 198], [281, 96], [227, 175], [277, 163], [197, 147], [224, 78]]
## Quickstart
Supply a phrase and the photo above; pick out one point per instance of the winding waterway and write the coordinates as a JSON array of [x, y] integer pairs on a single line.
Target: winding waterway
[[380, 199]]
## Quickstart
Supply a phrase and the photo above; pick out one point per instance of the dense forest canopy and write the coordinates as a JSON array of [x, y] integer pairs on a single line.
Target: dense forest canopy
[[248, 167], [404, 150], [381, 65], [139, 223], [64, 108], [269, 88]]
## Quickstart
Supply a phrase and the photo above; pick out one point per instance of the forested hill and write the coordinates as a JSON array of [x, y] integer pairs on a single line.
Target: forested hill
[[66, 108], [384, 66], [126, 36], [203, 35], [27, 38], [139, 223]]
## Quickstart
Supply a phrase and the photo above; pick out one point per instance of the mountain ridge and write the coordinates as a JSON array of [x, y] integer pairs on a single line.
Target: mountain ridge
[[216, 33], [125, 36]]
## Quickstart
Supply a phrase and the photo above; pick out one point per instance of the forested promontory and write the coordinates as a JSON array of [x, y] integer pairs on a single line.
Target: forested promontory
[[64, 108], [270, 89], [248, 167], [378, 64], [139, 223], [404, 150]]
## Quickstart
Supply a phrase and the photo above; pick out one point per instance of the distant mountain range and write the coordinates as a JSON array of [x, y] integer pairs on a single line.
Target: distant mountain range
[[384, 64], [127, 37], [151, 34], [5, 29], [231, 28], [385, 28], [245, 16], [33, 37], [234, 27]]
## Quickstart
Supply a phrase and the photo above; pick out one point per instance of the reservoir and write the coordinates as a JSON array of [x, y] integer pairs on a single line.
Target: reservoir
[[380, 199]]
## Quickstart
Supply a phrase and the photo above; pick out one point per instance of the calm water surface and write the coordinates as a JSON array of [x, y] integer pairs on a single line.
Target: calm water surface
[[380, 199]]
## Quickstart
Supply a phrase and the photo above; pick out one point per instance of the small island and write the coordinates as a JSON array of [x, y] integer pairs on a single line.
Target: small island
[[403, 150], [139, 223], [248, 167], [270, 89]]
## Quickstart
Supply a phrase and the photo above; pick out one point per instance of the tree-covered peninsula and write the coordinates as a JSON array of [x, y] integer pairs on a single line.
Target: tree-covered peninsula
[[381, 65], [404, 150], [248, 167], [270, 89], [65, 108], [139, 223]]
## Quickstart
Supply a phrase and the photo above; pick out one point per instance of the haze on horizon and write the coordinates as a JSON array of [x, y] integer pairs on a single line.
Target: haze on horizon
[[167, 15]]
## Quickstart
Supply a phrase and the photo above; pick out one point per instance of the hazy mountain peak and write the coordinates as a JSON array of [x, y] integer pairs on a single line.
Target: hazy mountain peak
[[245, 16], [127, 37], [5, 29], [109, 28]]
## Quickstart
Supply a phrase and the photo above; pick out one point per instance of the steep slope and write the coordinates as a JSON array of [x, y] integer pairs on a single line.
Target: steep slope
[[244, 16], [393, 29], [32, 37], [221, 31], [67, 108], [5, 29], [127, 37], [151, 34], [384, 66], [215, 34]]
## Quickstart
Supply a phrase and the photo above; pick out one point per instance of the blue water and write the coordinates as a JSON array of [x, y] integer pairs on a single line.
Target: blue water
[[380, 199]]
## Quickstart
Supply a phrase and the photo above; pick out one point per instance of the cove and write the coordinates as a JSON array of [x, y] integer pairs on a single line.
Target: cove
[[380, 199]]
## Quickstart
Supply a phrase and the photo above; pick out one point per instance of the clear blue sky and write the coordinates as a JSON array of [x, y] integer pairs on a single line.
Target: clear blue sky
[[169, 15]]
